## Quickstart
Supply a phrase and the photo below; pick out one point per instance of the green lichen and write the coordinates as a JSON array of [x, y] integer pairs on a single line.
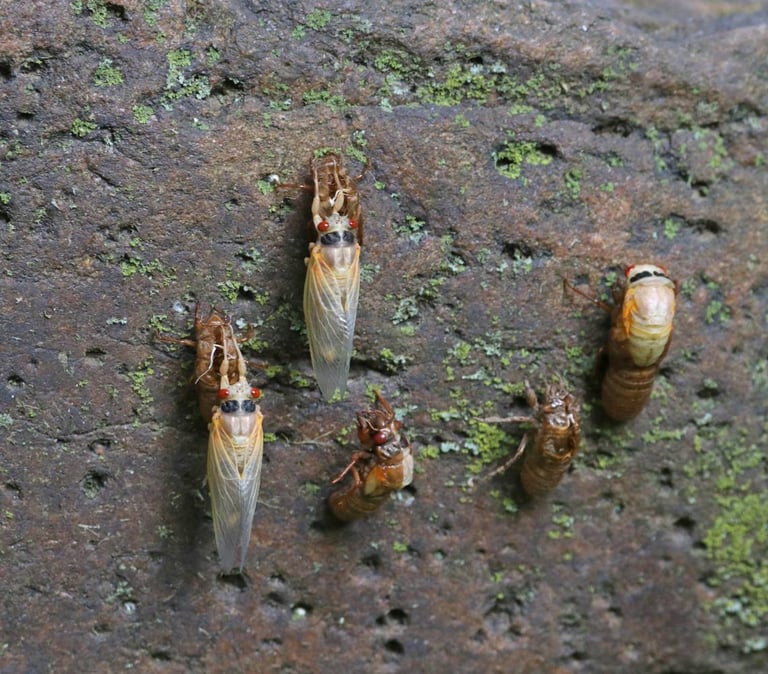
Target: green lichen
[[106, 75], [573, 178], [486, 444], [132, 265], [142, 113], [514, 154], [96, 8], [393, 362], [335, 102], [81, 128], [178, 84], [318, 19], [138, 379], [563, 523], [413, 228]]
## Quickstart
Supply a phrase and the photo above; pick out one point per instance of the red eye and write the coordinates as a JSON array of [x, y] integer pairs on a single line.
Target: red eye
[[322, 226], [381, 438], [353, 224], [223, 393], [628, 270], [255, 392]]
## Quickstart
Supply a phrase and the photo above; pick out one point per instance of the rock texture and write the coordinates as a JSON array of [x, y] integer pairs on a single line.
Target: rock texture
[[509, 145]]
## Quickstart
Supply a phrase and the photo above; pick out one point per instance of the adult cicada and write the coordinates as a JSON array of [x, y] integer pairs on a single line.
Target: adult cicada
[[332, 284], [641, 330], [235, 436], [385, 464], [556, 442], [235, 447]]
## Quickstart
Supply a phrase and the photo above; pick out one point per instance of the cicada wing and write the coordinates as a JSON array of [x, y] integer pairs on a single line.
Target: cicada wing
[[234, 476], [330, 309]]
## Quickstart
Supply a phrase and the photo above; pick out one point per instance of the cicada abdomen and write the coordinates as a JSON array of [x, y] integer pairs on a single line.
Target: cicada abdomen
[[641, 329], [235, 447], [385, 465], [556, 443], [332, 284], [558, 433]]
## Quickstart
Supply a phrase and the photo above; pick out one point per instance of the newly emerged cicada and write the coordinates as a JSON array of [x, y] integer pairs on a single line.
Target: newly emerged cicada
[[235, 436], [235, 447], [641, 330], [556, 441], [385, 464], [332, 284]]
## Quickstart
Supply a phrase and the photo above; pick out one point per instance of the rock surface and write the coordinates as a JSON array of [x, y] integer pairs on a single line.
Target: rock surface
[[510, 145]]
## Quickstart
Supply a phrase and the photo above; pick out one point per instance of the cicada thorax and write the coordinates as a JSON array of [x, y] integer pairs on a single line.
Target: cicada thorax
[[235, 447], [641, 329], [332, 285], [647, 311], [385, 465], [556, 443]]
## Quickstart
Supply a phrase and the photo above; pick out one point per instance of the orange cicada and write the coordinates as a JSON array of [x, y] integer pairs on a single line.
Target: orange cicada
[[385, 464], [641, 330], [556, 441], [332, 284]]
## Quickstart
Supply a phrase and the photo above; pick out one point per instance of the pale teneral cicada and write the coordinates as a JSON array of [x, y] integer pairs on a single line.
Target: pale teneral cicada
[[236, 439], [556, 441], [332, 284], [384, 466], [641, 330]]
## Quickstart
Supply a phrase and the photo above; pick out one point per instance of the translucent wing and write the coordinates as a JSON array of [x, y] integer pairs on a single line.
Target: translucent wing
[[330, 307], [234, 475]]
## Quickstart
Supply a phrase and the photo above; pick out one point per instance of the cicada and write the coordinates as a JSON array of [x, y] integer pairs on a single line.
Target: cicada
[[641, 330], [556, 442], [385, 464], [332, 285], [235, 447], [235, 436]]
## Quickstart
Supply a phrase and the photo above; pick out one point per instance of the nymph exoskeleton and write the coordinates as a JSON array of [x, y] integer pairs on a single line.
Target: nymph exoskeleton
[[555, 443], [385, 464]]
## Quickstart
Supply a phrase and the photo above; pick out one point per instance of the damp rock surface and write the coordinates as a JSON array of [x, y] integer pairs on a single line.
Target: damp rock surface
[[503, 148]]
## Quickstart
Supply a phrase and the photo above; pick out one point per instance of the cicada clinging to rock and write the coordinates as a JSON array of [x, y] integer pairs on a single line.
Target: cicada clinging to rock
[[556, 441], [385, 464], [332, 283], [641, 330], [235, 447]]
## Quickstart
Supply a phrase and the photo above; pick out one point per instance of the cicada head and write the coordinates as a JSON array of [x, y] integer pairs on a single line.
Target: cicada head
[[238, 406], [335, 230], [377, 426], [643, 273]]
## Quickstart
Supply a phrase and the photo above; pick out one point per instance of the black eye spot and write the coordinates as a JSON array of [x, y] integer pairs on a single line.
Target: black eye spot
[[331, 238], [248, 406], [349, 237], [229, 406], [640, 275]]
